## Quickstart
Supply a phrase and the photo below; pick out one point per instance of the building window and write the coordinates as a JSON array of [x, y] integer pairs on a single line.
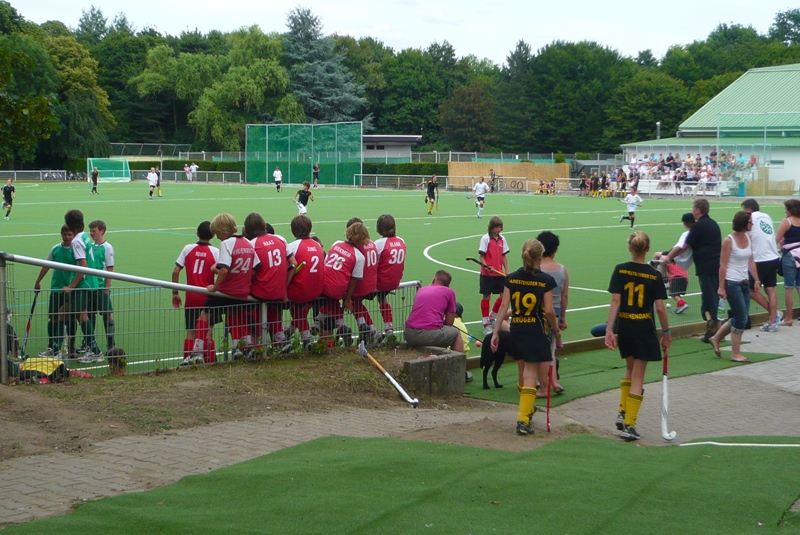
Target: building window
[[381, 147], [370, 147]]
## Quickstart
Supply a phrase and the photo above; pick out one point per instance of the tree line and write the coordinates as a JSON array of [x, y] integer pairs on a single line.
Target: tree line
[[67, 93]]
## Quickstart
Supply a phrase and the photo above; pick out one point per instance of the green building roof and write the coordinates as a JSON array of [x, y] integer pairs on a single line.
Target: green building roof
[[723, 142], [765, 97]]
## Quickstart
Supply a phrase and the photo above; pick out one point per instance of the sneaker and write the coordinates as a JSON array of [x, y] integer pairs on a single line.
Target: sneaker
[[487, 328], [621, 218], [363, 333], [629, 433], [477, 204], [524, 429], [85, 360], [773, 328], [82, 350], [196, 359], [186, 361], [779, 317], [765, 328], [347, 335], [468, 378], [682, 308], [633, 228], [95, 356], [286, 348], [47, 353], [620, 422], [315, 328]]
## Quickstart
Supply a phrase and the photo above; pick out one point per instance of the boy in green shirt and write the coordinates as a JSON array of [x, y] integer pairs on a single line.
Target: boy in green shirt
[[58, 306], [99, 255]]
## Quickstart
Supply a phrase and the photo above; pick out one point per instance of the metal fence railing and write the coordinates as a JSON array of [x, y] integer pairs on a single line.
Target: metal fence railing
[[148, 329], [42, 175], [225, 177]]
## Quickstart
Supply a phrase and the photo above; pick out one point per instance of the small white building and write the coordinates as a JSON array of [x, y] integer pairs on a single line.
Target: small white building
[[388, 148]]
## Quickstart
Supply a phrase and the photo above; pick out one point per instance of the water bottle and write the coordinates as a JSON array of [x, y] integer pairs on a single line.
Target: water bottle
[[723, 308]]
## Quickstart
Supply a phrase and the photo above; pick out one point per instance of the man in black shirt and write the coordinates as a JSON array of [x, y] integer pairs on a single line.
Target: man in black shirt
[[9, 193], [705, 241]]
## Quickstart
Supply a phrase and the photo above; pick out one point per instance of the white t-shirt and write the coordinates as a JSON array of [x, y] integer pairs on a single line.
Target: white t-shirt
[[481, 188], [762, 238], [684, 260], [632, 201], [277, 175], [152, 178]]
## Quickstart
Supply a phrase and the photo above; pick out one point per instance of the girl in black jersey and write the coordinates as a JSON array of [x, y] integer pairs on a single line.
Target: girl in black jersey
[[529, 292], [635, 288]]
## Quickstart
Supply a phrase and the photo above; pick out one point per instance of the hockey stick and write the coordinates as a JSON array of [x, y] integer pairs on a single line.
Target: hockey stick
[[28, 326], [471, 196], [665, 433], [485, 266], [299, 266], [623, 202], [437, 202], [363, 350], [550, 386], [478, 343]]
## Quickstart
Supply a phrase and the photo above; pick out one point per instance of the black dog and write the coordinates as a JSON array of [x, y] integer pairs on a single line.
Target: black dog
[[489, 358]]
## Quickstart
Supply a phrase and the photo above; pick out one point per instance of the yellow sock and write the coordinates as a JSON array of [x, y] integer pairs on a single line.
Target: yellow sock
[[527, 397], [632, 409], [624, 390]]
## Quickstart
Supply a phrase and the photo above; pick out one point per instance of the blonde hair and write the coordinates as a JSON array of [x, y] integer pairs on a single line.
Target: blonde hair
[[638, 243], [223, 224], [532, 251], [357, 234]]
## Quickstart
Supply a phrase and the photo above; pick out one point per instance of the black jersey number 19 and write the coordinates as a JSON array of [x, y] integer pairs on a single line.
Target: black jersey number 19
[[635, 289], [528, 301]]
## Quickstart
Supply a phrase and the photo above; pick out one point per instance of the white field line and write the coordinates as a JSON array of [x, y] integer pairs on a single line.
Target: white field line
[[739, 445]]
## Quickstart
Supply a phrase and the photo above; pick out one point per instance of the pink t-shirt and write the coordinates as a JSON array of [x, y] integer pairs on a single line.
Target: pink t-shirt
[[430, 306]]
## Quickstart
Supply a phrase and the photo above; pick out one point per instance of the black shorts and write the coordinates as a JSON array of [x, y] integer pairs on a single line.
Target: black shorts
[[642, 347], [491, 285], [767, 273], [192, 314], [530, 346], [8, 202], [677, 286], [58, 302]]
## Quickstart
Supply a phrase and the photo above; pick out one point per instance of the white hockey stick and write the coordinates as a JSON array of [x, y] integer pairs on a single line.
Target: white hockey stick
[[665, 433]]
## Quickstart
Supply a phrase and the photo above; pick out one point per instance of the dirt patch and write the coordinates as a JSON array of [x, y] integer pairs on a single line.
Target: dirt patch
[[71, 416]]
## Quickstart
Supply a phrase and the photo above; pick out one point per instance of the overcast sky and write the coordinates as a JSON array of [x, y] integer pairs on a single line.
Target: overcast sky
[[483, 28]]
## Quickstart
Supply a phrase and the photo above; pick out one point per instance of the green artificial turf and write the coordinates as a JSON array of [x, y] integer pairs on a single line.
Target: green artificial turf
[[583, 484], [591, 372], [148, 235]]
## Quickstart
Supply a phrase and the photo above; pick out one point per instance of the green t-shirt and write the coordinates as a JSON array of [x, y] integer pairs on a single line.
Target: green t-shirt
[[98, 256], [62, 255]]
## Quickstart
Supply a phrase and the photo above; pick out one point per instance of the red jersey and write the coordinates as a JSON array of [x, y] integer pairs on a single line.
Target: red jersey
[[369, 282], [198, 259], [494, 249], [391, 262], [269, 282], [342, 263], [239, 257], [308, 283]]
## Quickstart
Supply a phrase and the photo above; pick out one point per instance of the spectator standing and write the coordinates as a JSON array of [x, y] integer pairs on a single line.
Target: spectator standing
[[277, 176], [194, 168], [95, 176], [705, 240], [765, 253], [788, 237], [736, 262], [559, 272]]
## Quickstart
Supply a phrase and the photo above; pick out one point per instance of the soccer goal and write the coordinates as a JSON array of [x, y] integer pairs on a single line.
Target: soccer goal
[[111, 169]]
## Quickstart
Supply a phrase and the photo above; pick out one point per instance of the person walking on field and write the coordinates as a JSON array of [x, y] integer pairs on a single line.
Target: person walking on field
[[9, 194], [95, 177], [632, 200], [480, 189], [152, 179], [315, 173], [635, 288], [277, 176], [432, 192]]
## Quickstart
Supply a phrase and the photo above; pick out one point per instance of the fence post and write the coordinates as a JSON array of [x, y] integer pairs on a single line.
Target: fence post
[[3, 324]]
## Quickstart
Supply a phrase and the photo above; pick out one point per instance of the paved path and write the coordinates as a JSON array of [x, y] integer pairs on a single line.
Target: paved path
[[757, 399]]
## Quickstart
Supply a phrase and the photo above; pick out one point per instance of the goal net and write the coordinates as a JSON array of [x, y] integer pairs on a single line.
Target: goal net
[[110, 169]]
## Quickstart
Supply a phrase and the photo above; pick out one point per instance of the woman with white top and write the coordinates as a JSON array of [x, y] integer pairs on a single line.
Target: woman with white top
[[788, 238], [736, 260]]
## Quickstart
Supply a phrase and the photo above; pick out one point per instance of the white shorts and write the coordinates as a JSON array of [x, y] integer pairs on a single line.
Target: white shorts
[[303, 209]]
